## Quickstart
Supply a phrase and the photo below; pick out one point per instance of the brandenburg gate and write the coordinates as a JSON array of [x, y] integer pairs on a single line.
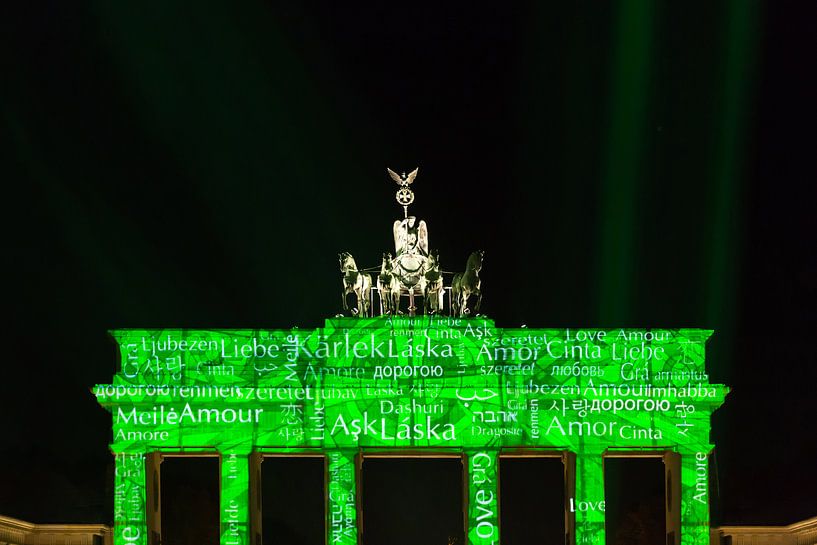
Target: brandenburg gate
[[402, 384]]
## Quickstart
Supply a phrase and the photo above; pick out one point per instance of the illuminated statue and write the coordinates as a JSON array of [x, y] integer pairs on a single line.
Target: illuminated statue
[[355, 282], [388, 286], [405, 196], [410, 242], [434, 289], [413, 271], [410, 237], [411, 249], [467, 284]]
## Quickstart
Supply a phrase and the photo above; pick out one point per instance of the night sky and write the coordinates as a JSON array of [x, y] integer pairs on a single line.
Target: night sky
[[621, 165]]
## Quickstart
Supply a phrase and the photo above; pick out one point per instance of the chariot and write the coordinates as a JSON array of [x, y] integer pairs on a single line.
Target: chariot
[[413, 271]]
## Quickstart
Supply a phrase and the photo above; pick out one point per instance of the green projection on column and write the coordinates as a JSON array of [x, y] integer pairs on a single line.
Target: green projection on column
[[695, 496], [129, 516], [342, 511], [587, 505], [459, 385], [483, 497], [235, 497]]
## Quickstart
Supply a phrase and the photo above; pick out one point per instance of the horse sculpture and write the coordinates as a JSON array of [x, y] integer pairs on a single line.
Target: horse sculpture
[[355, 282], [467, 284], [388, 286], [433, 292]]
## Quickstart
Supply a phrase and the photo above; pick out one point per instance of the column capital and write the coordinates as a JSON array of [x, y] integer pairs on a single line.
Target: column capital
[[241, 449]]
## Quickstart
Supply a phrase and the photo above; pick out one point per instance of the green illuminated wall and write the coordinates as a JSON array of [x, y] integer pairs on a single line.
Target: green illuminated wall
[[381, 384]]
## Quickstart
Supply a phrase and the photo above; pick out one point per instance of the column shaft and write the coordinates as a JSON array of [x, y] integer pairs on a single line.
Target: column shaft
[[129, 513], [587, 504], [235, 498], [341, 523], [483, 497], [695, 497]]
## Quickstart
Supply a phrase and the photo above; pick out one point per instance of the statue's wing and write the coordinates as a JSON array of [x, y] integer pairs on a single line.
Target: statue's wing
[[399, 236], [394, 176], [422, 236], [412, 175]]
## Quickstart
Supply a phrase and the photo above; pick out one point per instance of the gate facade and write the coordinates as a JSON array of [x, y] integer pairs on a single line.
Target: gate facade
[[411, 386]]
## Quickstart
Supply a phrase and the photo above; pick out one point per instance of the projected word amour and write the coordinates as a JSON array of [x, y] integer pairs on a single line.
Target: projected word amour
[[360, 385]]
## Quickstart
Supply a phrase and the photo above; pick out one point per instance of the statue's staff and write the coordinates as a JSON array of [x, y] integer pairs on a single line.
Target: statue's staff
[[405, 196]]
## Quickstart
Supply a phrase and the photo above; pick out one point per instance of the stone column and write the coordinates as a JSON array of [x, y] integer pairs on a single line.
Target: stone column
[[695, 496], [341, 517], [587, 503], [482, 480], [235, 497], [130, 505]]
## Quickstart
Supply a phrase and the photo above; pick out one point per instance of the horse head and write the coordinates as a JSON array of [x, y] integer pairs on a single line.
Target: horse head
[[386, 266], [347, 262], [475, 261]]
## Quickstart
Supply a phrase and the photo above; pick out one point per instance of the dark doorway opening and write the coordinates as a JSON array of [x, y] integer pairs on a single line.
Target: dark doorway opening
[[407, 501], [293, 500], [634, 493], [189, 500], [531, 500]]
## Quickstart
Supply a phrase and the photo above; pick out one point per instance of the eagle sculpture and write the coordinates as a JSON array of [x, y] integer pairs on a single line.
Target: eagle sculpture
[[403, 180]]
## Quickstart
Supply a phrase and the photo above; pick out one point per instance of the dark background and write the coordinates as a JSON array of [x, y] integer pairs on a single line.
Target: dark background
[[622, 164]]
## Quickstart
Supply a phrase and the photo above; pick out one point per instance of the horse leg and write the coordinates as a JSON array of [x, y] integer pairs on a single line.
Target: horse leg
[[356, 309], [384, 302], [479, 301], [361, 303], [367, 292]]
